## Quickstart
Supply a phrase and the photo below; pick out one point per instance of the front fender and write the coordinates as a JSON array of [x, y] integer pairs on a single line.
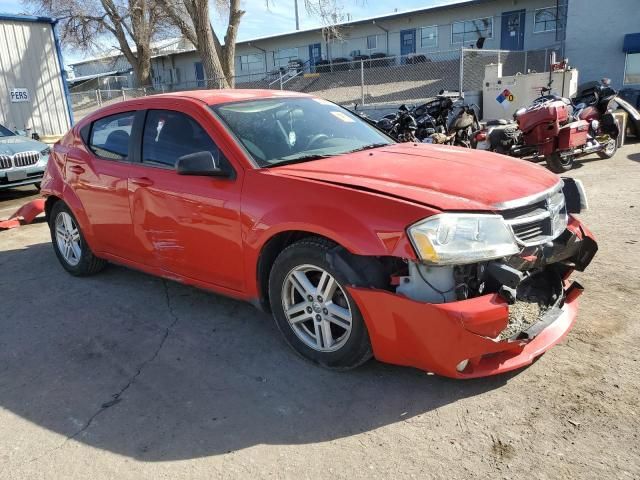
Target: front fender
[[364, 223]]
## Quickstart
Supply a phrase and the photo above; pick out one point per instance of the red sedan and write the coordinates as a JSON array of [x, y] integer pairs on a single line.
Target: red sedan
[[450, 260]]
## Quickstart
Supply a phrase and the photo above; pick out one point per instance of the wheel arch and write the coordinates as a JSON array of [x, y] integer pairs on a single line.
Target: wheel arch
[[72, 201], [268, 254], [48, 205], [359, 269]]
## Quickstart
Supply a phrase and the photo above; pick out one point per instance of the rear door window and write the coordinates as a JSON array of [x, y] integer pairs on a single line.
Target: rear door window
[[110, 136], [169, 135]]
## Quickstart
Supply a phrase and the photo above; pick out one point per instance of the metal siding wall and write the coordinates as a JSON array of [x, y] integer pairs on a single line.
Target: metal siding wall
[[28, 60], [594, 42]]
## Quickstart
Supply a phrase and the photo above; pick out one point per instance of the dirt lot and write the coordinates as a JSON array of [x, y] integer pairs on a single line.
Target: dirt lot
[[124, 376]]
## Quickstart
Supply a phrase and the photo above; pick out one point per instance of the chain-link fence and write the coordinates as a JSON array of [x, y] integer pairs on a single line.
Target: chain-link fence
[[376, 80], [86, 102], [473, 63]]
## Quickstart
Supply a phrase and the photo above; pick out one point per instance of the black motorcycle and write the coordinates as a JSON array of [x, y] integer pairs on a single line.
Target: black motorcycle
[[444, 119]]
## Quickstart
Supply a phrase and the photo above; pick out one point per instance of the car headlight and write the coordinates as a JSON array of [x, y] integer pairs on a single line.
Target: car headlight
[[460, 238], [45, 152]]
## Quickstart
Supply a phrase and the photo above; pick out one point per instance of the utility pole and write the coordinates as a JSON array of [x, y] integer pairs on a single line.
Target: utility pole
[[297, 18]]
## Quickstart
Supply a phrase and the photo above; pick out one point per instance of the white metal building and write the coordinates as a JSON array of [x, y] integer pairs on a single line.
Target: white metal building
[[33, 91], [504, 24]]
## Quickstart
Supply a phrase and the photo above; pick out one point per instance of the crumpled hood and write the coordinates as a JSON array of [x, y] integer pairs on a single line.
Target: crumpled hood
[[17, 144], [448, 178]]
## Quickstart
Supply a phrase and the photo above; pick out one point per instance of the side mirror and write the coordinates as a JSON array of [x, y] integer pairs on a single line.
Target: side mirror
[[200, 163]]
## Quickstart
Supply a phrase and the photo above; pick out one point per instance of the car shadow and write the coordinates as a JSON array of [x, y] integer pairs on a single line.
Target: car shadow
[[156, 371], [17, 193]]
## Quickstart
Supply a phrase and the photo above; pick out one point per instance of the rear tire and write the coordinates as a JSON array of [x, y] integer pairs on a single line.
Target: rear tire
[[610, 149], [558, 164], [321, 323], [72, 250]]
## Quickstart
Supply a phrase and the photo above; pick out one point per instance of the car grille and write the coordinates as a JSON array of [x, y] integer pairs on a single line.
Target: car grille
[[5, 162], [25, 159], [540, 221]]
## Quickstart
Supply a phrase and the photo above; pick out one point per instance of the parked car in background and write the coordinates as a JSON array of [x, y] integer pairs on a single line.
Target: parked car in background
[[22, 160], [447, 259]]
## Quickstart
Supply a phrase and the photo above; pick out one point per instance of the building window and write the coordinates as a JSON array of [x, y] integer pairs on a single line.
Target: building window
[[632, 69], [283, 56], [549, 19], [429, 37], [250, 63], [372, 42], [471, 30]]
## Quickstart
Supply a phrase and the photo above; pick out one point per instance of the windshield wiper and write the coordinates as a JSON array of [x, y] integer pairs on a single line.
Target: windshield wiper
[[302, 159], [368, 147]]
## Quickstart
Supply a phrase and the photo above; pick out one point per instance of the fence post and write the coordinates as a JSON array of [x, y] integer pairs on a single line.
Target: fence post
[[280, 72], [124, 96], [144, 91], [362, 80], [98, 97], [461, 70], [546, 58], [525, 61]]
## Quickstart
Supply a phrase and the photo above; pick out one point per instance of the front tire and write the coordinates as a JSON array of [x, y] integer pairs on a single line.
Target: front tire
[[558, 164], [69, 244], [313, 310]]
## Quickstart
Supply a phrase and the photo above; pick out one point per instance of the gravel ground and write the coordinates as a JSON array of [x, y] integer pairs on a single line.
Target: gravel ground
[[127, 376]]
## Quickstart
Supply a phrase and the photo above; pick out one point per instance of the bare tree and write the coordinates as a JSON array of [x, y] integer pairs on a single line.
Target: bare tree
[[192, 18], [86, 24]]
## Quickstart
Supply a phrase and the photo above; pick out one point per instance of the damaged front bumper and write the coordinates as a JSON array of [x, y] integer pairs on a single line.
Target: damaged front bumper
[[466, 338]]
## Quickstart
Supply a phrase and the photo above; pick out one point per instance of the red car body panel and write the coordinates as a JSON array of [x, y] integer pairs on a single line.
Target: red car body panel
[[437, 337], [209, 232], [25, 214], [395, 171]]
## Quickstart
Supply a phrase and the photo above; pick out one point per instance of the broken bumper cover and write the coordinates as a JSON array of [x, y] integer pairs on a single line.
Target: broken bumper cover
[[438, 337], [25, 214]]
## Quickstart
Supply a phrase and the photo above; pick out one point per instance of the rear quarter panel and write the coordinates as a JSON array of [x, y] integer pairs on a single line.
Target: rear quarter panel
[[54, 184]]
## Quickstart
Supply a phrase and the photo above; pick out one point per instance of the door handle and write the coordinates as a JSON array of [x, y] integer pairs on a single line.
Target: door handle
[[76, 169], [142, 181]]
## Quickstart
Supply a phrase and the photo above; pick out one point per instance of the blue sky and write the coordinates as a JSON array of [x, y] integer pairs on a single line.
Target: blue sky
[[278, 18]]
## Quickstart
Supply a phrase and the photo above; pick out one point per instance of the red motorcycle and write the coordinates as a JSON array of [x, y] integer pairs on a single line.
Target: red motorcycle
[[557, 130]]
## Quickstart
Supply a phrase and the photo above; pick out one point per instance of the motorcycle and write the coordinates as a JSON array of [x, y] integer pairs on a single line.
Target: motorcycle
[[444, 119], [558, 130]]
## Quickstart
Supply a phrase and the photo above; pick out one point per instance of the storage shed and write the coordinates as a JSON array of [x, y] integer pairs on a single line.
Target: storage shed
[[33, 90]]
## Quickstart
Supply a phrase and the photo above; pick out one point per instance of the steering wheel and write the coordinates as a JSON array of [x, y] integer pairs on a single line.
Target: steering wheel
[[316, 138]]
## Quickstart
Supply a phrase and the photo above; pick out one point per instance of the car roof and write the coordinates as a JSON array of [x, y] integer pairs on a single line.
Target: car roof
[[216, 97]]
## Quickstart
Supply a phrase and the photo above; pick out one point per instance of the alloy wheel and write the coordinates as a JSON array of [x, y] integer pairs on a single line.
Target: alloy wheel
[[317, 308], [68, 238], [610, 147]]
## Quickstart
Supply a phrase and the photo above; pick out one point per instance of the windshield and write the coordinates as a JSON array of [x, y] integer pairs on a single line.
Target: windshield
[[5, 132], [278, 131]]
